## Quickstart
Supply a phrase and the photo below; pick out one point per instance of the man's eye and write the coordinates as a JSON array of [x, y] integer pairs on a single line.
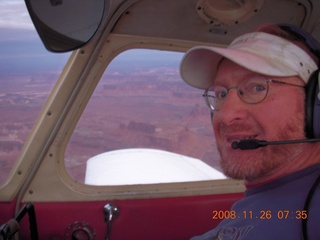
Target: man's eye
[[221, 94], [259, 88]]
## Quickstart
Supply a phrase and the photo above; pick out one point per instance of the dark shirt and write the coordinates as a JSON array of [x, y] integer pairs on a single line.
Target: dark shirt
[[273, 211]]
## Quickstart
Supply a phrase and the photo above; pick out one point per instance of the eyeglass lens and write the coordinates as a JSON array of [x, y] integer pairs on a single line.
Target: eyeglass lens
[[251, 90]]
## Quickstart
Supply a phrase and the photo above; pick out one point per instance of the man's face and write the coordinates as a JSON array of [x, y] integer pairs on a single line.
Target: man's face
[[280, 116]]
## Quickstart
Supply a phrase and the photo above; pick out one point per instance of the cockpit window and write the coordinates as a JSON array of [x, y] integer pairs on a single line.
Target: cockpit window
[[143, 124]]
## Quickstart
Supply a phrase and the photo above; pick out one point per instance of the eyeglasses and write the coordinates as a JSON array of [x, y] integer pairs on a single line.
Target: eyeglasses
[[252, 90]]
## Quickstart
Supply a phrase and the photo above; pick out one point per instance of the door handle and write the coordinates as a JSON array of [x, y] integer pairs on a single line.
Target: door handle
[[110, 212]]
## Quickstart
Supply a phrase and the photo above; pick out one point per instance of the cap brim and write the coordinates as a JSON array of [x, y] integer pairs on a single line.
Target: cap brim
[[199, 65]]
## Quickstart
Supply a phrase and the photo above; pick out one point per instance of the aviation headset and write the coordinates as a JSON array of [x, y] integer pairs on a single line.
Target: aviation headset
[[312, 105], [312, 101]]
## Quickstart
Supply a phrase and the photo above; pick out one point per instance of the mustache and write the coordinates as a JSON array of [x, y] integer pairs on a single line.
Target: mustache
[[225, 129]]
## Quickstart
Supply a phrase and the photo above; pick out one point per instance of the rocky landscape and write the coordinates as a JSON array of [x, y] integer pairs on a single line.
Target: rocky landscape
[[146, 108]]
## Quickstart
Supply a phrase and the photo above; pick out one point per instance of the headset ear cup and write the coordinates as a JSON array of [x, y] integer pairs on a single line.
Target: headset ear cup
[[316, 108], [312, 106]]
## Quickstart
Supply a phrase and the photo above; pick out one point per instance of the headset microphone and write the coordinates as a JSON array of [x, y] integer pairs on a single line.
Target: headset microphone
[[248, 144]]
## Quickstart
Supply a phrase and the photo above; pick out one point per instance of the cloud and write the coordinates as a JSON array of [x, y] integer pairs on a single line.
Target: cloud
[[15, 22], [14, 15], [21, 49]]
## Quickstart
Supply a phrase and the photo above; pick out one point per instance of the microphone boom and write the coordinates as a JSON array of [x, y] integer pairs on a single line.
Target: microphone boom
[[248, 144]]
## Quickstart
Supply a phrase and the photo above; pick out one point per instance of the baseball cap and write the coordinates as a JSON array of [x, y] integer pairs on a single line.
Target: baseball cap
[[259, 52]]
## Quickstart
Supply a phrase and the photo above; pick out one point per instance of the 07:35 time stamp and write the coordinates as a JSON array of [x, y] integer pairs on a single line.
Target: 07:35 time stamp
[[261, 215]]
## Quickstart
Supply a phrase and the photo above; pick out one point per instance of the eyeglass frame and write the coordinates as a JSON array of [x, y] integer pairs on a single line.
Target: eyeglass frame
[[206, 96]]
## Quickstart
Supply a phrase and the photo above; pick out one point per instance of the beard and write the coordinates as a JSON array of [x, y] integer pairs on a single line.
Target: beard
[[263, 161]]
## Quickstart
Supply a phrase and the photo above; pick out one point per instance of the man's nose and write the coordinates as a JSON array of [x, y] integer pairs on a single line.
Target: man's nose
[[231, 98], [233, 107]]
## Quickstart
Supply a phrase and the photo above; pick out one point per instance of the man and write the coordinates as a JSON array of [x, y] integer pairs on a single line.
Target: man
[[255, 89]]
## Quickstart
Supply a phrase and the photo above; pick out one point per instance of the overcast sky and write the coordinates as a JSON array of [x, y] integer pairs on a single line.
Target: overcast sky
[[14, 20], [21, 49], [13, 14]]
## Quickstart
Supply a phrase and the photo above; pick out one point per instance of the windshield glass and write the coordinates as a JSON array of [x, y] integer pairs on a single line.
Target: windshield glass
[[27, 74], [141, 105]]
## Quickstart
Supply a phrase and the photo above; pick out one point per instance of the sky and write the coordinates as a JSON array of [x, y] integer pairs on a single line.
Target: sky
[[21, 50], [13, 14], [15, 22]]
